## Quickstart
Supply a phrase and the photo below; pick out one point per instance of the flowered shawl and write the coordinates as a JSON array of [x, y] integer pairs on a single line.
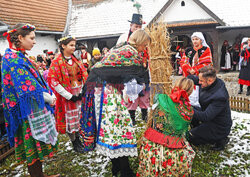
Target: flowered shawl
[[58, 74], [172, 117], [204, 59], [121, 64], [22, 88]]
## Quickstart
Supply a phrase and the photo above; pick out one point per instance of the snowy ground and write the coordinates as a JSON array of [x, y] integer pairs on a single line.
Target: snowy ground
[[239, 144], [233, 161]]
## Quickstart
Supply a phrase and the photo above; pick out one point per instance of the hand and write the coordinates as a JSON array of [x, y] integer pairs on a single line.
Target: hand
[[74, 98], [141, 94], [192, 71], [53, 102], [80, 96]]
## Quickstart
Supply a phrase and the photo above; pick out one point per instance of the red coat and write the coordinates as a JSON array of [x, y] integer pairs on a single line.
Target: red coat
[[204, 59]]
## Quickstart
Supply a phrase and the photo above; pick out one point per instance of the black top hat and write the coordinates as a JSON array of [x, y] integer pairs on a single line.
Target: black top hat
[[137, 19]]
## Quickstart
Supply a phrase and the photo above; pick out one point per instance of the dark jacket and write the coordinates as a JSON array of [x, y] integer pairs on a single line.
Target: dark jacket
[[215, 113]]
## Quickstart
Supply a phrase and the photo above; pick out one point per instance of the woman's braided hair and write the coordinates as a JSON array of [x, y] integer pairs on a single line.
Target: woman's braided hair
[[19, 30]]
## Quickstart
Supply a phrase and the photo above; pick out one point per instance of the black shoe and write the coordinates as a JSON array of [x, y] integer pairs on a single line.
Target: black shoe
[[79, 142], [220, 145], [77, 146], [128, 173]]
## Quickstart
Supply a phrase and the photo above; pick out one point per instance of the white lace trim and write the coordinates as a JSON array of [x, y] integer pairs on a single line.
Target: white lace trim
[[121, 152]]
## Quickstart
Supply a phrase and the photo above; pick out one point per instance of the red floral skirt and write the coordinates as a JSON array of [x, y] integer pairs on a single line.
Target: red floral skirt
[[158, 160]]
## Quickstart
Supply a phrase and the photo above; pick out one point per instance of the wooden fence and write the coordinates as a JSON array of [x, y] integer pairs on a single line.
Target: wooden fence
[[240, 104], [5, 150]]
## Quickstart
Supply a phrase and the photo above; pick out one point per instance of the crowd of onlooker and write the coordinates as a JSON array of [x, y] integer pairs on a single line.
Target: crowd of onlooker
[[229, 58]]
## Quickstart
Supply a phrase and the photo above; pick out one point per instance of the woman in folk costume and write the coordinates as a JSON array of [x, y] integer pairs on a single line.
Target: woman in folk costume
[[244, 76], [197, 56], [66, 78], [105, 108], [85, 56], [27, 102], [165, 150], [225, 62]]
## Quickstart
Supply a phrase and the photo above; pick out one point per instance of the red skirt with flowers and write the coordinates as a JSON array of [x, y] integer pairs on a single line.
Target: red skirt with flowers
[[28, 149], [158, 160]]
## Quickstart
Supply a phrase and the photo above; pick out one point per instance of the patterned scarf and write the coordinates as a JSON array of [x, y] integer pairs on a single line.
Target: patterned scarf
[[171, 120], [179, 112], [22, 88], [124, 55]]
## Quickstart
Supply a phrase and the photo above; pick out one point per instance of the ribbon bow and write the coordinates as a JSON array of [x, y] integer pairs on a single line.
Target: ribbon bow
[[177, 94], [8, 36]]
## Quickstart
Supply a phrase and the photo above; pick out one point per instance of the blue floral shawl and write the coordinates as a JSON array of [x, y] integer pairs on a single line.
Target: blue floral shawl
[[22, 85]]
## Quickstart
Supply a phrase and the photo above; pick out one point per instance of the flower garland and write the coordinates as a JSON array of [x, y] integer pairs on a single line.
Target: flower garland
[[26, 26], [65, 38]]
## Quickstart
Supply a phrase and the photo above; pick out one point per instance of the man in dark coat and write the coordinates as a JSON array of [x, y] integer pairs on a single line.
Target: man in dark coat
[[212, 122]]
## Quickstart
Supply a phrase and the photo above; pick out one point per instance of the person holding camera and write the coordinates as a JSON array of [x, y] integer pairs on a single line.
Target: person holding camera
[[244, 76]]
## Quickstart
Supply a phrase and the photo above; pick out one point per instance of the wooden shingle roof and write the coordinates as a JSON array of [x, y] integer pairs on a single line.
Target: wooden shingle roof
[[46, 15]]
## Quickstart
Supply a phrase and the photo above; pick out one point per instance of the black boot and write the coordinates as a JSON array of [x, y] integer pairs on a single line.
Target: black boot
[[126, 171], [77, 146], [115, 167], [221, 144], [248, 91], [241, 89], [144, 114], [132, 115], [78, 140]]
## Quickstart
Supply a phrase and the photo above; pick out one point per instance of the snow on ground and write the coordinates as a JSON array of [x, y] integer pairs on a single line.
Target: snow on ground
[[238, 146], [234, 158]]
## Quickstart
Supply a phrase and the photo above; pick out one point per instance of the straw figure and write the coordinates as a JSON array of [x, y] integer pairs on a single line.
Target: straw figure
[[164, 149], [159, 64]]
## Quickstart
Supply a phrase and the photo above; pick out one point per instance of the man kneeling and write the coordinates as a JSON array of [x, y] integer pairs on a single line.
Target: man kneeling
[[212, 122]]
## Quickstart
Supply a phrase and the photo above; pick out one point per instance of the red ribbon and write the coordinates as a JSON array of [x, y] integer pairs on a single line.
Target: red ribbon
[[177, 94], [8, 38], [10, 43]]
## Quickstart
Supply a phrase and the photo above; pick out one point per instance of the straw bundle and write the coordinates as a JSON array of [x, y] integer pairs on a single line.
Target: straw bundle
[[159, 64]]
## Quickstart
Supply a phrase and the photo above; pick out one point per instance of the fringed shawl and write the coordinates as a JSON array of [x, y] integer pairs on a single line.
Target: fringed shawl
[[120, 65], [171, 121], [22, 85]]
